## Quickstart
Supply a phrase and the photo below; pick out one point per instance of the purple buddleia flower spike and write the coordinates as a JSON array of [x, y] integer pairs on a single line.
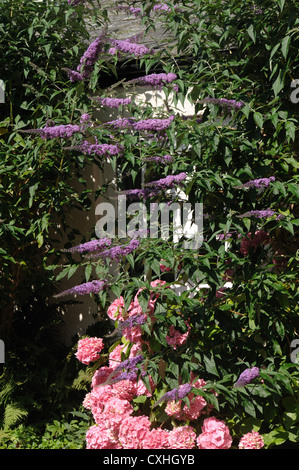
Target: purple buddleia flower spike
[[126, 46], [164, 8], [153, 124], [259, 214], [145, 125], [60, 131], [121, 123], [141, 193], [259, 183], [90, 56], [168, 182], [92, 245], [230, 104], [247, 376], [138, 319], [162, 159], [126, 370], [97, 149], [112, 102], [175, 394], [156, 80], [117, 252], [73, 75], [92, 287], [129, 363], [136, 11]]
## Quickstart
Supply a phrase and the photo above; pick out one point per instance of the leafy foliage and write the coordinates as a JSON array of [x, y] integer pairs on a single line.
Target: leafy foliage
[[37, 193], [220, 50]]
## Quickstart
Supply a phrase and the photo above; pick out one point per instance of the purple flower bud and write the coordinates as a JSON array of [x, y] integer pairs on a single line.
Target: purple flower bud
[[163, 8], [93, 287], [153, 124], [224, 102], [169, 182], [93, 245], [98, 149], [126, 370], [73, 75], [138, 319], [117, 252], [113, 102], [157, 125], [259, 183], [126, 46], [163, 159], [157, 80], [259, 214], [60, 131], [175, 394], [247, 376]]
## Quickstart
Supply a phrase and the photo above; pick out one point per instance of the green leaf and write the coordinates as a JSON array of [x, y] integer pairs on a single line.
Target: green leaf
[[258, 119], [278, 84], [88, 271], [276, 437], [285, 44], [210, 365], [252, 32], [249, 408], [40, 240], [281, 4], [32, 191], [72, 270], [290, 130]]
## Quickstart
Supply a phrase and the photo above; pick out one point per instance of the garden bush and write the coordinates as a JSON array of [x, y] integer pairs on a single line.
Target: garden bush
[[37, 193], [208, 366]]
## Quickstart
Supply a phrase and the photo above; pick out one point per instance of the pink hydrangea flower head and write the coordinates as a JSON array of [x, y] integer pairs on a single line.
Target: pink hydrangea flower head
[[115, 410], [192, 412], [215, 435], [87, 402], [251, 440], [89, 350], [125, 389], [98, 397], [99, 437], [141, 389], [133, 431], [115, 355], [156, 439], [175, 338], [183, 437], [116, 310], [101, 375], [134, 307], [133, 334], [173, 408]]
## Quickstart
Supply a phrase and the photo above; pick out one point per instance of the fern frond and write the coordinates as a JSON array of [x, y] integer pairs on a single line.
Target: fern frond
[[82, 381], [6, 392], [13, 414]]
